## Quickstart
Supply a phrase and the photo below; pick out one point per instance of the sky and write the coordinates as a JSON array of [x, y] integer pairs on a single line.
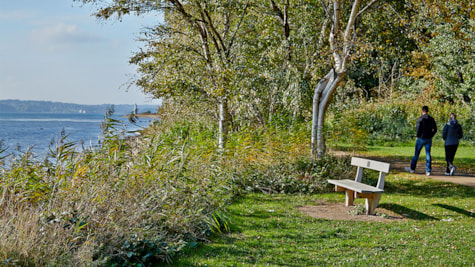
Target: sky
[[55, 50]]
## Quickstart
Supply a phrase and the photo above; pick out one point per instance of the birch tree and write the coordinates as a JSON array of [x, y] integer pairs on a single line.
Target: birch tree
[[445, 33], [191, 53], [341, 40]]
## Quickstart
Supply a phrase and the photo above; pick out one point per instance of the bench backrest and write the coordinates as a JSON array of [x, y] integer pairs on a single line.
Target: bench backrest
[[361, 163]]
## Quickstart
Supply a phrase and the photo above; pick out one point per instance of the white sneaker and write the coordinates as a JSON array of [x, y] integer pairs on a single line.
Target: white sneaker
[[428, 173], [447, 174], [452, 171], [408, 169]]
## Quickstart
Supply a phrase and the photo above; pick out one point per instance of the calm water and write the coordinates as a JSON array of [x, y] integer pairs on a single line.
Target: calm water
[[18, 131]]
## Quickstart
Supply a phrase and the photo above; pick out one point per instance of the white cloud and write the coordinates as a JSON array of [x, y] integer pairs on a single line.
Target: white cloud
[[62, 33]]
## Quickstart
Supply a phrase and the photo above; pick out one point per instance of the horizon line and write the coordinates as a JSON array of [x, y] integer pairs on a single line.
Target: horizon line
[[72, 103]]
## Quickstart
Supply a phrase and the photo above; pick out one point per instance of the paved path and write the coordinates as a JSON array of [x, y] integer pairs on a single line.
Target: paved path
[[461, 176]]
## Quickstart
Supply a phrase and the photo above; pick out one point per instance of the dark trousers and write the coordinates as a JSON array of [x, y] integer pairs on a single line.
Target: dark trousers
[[450, 155]]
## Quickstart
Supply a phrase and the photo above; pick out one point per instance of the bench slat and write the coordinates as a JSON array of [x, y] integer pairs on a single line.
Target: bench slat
[[355, 186], [371, 164]]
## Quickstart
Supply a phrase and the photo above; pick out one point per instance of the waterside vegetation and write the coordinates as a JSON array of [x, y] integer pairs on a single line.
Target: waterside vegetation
[[170, 195], [217, 179]]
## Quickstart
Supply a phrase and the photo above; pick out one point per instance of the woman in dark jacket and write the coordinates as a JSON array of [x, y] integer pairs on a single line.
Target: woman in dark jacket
[[451, 134]]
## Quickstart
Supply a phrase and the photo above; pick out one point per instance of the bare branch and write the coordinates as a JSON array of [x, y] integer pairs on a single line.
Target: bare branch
[[231, 42], [347, 39], [284, 18], [366, 7], [277, 10], [335, 32]]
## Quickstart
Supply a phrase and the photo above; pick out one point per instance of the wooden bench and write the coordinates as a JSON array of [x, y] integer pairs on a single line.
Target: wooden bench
[[357, 189]]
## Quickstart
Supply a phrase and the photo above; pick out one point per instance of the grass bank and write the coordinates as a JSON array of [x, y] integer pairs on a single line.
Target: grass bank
[[141, 202], [268, 230], [171, 193]]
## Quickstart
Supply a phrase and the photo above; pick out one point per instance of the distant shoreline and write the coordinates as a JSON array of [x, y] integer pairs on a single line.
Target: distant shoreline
[[145, 115], [26, 106]]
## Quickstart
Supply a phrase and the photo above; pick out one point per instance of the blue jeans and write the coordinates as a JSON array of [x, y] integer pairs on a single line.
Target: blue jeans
[[427, 143]]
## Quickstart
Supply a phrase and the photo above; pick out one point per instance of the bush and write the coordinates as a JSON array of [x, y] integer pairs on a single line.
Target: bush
[[304, 175], [385, 122]]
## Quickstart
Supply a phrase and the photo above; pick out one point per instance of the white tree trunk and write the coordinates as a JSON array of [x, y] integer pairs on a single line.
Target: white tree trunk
[[223, 124], [341, 43], [321, 99], [322, 84]]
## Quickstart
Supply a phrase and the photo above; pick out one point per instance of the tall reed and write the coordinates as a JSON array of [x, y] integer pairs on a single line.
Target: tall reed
[[141, 200]]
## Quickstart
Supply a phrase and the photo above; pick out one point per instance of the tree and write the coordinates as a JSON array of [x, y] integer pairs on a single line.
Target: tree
[[445, 34], [384, 47], [252, 59], [357, 35], [281, 55], [192, 53], [341, 41]]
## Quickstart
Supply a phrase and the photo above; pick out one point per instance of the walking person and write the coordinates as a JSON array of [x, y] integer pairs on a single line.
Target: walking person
[[426, 129], [452, 133]]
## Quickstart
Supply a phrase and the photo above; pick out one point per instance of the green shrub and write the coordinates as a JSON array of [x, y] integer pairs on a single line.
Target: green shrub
[[387, 122], [303, 175], [384, 122]]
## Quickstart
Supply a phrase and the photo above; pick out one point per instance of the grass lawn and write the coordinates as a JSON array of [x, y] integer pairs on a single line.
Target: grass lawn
[[268, 230], [463, 158]]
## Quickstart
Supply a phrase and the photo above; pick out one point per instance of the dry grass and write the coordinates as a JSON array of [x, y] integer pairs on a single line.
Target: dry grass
[[115, 204], [141, 201]]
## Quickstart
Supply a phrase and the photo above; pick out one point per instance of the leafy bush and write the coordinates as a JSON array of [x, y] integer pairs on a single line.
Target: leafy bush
[[303, 175], [386, 122], [276, 161]]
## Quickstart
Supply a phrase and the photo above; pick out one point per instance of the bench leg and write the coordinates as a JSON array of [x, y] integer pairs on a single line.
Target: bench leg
[[372, 202], [350, 197]]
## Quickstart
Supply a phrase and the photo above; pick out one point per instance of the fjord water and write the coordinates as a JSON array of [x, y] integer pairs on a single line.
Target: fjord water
[[19, 131]]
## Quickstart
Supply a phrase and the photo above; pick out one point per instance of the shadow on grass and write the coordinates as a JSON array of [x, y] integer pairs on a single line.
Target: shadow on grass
[[407, 212], [429, 189], [458, 210]]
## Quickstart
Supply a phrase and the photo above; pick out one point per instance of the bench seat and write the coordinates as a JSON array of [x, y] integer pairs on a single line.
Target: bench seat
[[355, 186]]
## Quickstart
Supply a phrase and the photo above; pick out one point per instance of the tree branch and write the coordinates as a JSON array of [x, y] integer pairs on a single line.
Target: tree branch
[[347, 42], [213, 29], [231, 42], [335, 32], [366, 7], [284, 18], [351, 21]]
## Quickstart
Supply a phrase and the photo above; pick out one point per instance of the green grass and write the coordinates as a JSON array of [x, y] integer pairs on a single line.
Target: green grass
[[268, 230], [463, 158], [437, 151]]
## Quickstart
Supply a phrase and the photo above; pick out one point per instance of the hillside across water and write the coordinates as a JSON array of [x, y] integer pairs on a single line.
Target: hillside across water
[[21, 106]]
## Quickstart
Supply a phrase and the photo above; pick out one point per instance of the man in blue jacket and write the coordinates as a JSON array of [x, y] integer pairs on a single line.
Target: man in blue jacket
[[426, 129]]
